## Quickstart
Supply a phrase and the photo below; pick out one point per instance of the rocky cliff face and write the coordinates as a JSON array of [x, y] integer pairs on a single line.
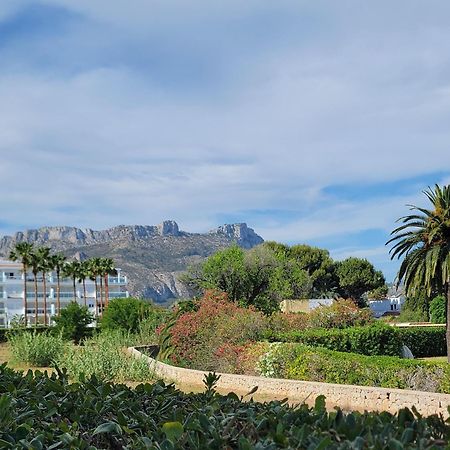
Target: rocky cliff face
[[151, 256]]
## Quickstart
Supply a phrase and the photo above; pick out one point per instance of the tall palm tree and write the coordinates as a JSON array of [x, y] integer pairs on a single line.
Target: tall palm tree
[[22, 252], [72, 270], [94, 265], [83, 273], [57, 262], [423, 240], [35, 264], [107, 268], [43, 254]]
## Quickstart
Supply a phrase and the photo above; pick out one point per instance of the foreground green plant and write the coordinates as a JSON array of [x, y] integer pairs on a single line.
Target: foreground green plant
[[93, 414], [36, 349]]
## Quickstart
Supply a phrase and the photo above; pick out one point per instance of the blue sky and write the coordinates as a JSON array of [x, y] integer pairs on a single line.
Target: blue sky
[[313, 122]]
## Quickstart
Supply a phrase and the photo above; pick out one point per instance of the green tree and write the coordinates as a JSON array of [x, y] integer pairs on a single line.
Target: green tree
[[57, 261], [438, 314], [35, 263], [23, 252], [72, 270], [45, 265], [125, 314], [378, 293], [423, 241], [73, 322], [94, 268], [318, 265], [107, 268], [356, 277]]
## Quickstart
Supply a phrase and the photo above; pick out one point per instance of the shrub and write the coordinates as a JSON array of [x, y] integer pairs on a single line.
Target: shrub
[[424, 341], [73, 322], [104, 357], [340, 314], [196, 336], [300, 362], [377, 339], [47, 412], [125, 314], [284, 322], [36, 349], [438, 307]]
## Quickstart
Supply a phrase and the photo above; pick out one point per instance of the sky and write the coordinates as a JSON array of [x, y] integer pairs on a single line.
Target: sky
[[312, 121]]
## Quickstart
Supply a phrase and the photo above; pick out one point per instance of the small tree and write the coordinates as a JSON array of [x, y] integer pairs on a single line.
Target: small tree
[[437, 309], [356, 277], [125, 314], [73, 322]]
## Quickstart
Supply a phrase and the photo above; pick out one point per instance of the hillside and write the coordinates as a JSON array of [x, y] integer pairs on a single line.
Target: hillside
[[151, 256]]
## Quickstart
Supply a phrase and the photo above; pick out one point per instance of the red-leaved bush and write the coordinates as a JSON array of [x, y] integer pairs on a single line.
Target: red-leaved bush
[[216, 336]]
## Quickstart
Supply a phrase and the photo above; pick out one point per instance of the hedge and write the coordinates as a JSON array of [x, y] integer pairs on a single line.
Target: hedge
[[424, 341], [369, 340], [301, 362], [379, 339]]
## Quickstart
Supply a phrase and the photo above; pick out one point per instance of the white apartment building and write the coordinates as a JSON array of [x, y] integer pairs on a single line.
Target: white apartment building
[[12, 293]]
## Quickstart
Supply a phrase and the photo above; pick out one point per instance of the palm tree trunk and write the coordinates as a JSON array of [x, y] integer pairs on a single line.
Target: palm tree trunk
[[74, 290], [96, 297], [25, 305], [45, 298], [84, 291], [101, 295], [58, 293], [106, 290], [35, 301], [447, 292]]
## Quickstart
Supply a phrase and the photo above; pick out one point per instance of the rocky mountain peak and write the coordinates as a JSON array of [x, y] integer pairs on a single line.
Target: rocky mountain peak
[[241, 233], [168, 228]]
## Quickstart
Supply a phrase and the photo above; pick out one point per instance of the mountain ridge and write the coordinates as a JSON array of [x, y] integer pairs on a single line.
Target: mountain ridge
[[152, 256]]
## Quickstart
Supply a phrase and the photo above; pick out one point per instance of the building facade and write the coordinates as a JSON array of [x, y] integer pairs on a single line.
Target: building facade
[[12, 293], [387, 306]]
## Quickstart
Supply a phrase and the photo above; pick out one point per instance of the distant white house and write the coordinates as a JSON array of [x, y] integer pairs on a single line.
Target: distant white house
[[389, 305]]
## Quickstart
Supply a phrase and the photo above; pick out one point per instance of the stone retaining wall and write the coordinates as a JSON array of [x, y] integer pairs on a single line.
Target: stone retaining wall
[[347, 397]]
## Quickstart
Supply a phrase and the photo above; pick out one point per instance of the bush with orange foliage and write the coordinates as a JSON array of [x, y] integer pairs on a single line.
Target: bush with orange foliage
[[217, 332]]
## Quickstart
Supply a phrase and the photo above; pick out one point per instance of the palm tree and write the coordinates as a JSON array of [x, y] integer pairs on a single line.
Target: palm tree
[[35, 263], [94, 265], [423, 240], [43, 254], [22, 252], [72, 270], [57, 262], [83, 273], [107, 267]]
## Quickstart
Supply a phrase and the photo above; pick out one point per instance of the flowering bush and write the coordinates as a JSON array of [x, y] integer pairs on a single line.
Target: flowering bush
[[215, 336], [340, 314]]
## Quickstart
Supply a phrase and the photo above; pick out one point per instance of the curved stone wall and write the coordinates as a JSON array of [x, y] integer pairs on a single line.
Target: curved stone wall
[[347, 397]]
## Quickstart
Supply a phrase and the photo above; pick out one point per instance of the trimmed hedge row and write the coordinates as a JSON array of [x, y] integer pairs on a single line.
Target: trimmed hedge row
[[424, 341], [376, 340], [300, 362]]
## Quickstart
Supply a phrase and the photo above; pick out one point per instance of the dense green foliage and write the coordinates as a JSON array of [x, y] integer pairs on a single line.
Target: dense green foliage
[[41, 412], [73, 321], [125, 314], [271, 272], [377, 339], [356, 277], [300, 362], [438, 310], [373, 340], [424, 341], [36, 349], [104, 356]]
